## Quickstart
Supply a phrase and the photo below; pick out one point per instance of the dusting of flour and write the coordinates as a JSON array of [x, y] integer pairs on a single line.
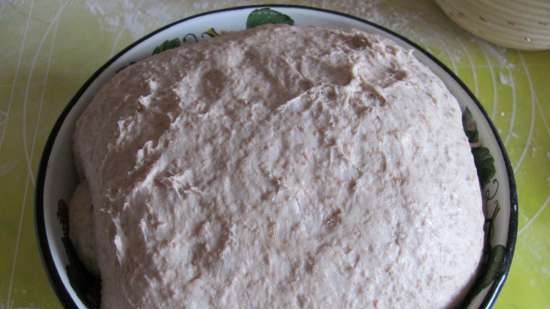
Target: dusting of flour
[[422, 21]]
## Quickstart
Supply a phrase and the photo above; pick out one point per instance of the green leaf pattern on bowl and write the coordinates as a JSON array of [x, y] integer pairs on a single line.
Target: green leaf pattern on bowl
[[267, 16], [173, 43], [166, 45], [494, 253], [484, 161], [493, 270]]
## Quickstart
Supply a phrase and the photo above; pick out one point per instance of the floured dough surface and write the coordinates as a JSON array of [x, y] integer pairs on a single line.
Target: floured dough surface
[[281, 167]]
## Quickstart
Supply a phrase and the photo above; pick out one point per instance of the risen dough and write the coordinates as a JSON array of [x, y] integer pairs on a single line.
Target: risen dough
[[81, 227], [281, 167]]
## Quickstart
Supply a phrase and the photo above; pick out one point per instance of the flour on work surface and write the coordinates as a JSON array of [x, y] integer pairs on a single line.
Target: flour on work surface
[[421, 21]]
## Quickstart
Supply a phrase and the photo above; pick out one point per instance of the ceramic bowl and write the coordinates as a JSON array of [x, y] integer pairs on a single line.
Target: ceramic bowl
[[523, 24], [57, 178]]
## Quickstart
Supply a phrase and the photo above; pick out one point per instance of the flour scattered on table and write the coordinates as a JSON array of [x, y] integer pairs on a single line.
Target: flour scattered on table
[[505, 79], [413, 19]]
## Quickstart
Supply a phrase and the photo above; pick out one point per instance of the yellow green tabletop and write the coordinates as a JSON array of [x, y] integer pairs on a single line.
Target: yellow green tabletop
[[48, 48]]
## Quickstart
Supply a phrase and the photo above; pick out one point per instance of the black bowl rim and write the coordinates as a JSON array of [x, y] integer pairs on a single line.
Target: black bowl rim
[[55, 279]]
